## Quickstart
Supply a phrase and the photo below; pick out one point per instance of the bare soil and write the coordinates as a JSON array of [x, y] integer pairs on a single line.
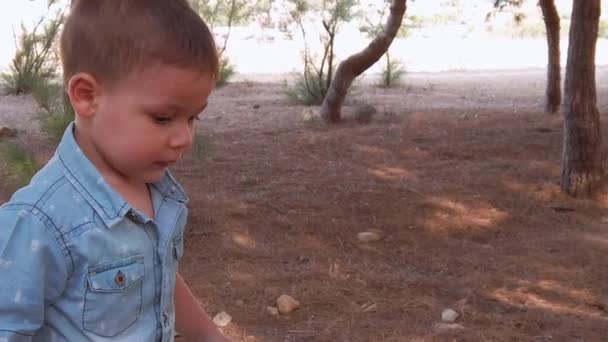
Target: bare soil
[[460, 171]]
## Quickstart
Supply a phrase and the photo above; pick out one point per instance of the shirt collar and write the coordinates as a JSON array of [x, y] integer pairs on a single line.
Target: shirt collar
[[85, 177]]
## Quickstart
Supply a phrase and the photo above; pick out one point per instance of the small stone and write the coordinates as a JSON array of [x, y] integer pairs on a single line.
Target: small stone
[[370, 236], [303, 260], [239, 302], [287, 304], [222, 319], [6, 132], [256, 106], [272, 311], [449, 316], [308, 114]]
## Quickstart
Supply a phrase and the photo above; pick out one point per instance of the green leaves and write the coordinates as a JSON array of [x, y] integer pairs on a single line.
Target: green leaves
[[34, 58]]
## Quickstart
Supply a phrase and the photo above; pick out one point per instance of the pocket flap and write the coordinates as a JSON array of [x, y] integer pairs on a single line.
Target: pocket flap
[[116, 275]]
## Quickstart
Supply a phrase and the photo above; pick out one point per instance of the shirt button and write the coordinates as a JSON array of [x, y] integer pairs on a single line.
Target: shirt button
[[120, 279], [131, 215]]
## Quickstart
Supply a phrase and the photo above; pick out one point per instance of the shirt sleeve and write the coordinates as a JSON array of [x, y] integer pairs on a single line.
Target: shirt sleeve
[[33, 271]]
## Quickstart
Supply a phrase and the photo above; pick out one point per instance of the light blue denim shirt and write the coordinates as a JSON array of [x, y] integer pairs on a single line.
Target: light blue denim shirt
[[78, 263]]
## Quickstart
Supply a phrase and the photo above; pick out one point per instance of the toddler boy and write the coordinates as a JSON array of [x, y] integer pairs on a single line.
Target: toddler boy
[[89, 249]]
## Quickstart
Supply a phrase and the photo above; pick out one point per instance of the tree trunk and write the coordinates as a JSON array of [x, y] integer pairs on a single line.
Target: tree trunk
[[356, 64], [553, 96], [582, 159]]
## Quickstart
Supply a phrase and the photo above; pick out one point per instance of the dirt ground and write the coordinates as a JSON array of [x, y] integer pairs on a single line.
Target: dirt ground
[[460, 171]]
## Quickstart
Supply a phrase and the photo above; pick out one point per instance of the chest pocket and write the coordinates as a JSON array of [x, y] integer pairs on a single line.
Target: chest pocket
[[113, 297]]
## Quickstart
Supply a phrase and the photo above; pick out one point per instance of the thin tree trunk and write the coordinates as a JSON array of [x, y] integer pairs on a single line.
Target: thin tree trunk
[[389, 71], [330, 61], [553, 96], [356, 64], [582, 159]]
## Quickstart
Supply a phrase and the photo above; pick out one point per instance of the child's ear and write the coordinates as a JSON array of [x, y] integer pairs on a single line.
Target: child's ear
[[83, 90]]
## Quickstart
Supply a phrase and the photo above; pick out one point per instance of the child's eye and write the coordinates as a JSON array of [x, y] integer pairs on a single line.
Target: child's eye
[[161, 119]]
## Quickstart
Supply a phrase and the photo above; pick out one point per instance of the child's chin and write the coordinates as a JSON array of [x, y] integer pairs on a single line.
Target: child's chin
[[154, 177]]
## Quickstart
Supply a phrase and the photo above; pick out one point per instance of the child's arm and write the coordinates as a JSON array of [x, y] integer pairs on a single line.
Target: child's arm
[[33, 271], [190, 319]]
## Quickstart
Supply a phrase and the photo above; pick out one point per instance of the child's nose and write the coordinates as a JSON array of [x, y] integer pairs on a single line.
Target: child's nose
[[182, 138]]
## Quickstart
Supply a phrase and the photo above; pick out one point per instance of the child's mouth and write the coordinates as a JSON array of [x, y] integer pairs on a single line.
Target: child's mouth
[[162, 165]]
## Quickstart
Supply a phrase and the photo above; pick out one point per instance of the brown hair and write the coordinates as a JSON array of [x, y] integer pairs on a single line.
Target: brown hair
[[112, 38]]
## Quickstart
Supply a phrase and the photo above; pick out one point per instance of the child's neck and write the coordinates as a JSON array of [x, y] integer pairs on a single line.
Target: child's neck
[[135, 193], [138, 197]]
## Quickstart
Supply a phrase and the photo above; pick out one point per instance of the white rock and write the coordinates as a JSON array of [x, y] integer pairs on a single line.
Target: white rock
[[287, 304], [370, 236], [222, 319], [449, 316], [272, 311], [308, 114]]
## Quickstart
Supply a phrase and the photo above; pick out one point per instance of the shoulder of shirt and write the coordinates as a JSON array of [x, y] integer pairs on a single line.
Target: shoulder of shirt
[[52, 198], [42, 200]]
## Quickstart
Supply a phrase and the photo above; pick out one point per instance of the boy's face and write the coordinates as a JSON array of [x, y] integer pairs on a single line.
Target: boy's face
[[145, 123]]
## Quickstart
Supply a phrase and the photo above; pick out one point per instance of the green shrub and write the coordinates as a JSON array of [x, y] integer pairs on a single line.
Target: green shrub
[[55, 124], [46, 93], [392, 72], [34, 57], [308, 89], [20, 162], [55, 110], [227, 70], [312, 85]]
